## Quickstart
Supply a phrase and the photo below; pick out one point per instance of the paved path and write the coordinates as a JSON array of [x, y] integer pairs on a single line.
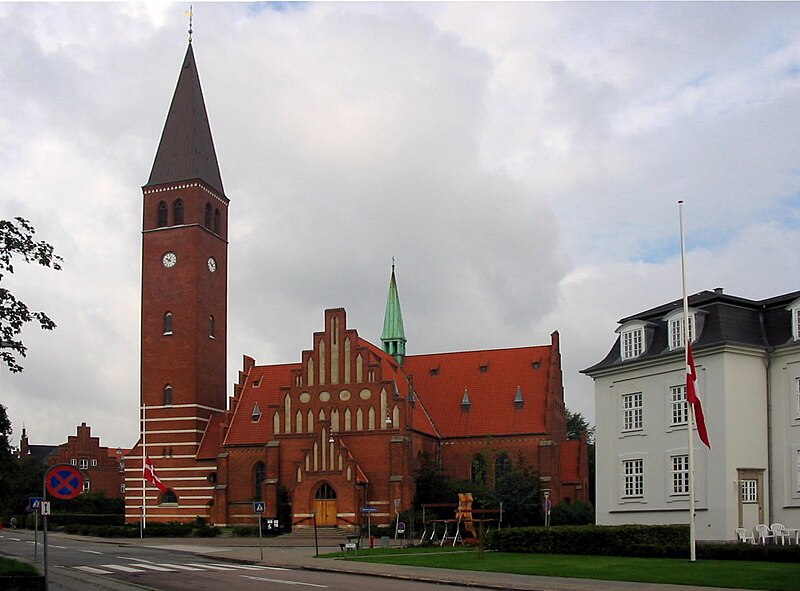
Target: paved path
[[277, 553]]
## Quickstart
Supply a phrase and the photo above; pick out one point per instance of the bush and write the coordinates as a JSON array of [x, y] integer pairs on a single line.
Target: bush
[[621, 540], [640, 541], [572, 514], [748, 552]]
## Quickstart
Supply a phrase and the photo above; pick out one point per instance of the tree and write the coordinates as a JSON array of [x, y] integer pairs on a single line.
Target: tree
[[518, 490], [7, 464], [16, 239], [577, 425]]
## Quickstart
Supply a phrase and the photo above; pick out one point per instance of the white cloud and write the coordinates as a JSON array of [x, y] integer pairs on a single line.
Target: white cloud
[[521, 161]]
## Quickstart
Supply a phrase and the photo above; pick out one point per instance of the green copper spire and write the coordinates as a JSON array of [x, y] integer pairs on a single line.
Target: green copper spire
[[394, 336]]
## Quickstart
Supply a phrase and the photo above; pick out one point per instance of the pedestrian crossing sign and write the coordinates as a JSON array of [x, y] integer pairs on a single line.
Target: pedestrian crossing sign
[[258, 507]]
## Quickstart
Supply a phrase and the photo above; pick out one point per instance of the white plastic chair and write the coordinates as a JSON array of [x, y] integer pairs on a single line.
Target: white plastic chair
[[779, 531], [745, 535], [764, 533]]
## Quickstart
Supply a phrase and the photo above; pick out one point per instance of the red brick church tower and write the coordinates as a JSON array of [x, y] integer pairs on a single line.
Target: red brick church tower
[[184, 311]]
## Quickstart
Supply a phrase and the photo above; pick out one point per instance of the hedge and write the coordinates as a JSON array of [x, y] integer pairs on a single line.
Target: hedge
[[617, 540], [664, 541]]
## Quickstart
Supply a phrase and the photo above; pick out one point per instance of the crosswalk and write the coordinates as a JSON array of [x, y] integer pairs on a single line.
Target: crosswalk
[[163, 567]]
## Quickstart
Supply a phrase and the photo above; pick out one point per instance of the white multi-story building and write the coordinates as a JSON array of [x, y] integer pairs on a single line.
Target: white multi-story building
[[747, 355]]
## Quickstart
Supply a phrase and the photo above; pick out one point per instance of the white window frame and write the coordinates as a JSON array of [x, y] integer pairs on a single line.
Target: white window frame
[[679, 407], [633, 478], [73, 462], [749, 490], [680, 474], [677, 340], [87, 485], [94, 462], [632, 412], [797, 398], [796, 323], [84, 464], [631, 343]]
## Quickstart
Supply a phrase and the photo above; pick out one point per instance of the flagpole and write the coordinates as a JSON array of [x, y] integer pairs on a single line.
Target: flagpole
[[689, 410], [144, 481]]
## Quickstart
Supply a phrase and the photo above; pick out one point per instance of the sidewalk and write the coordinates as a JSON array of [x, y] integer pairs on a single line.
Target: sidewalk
[[277, 553]]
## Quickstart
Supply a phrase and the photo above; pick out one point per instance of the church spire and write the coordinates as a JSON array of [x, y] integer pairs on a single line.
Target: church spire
[[186, 151], [394, 336]]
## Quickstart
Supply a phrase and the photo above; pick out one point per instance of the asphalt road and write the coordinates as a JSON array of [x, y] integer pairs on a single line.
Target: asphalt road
[[85, 565]]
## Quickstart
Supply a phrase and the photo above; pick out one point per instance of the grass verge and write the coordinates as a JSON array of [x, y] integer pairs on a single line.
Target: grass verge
[[711, 573], [10, 567]]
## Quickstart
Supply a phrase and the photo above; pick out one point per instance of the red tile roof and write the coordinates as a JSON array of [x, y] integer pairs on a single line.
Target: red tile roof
[[441, 379], [212, 438], [270, 379]]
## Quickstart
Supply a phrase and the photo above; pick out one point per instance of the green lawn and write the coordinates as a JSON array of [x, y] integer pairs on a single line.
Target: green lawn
[[712, 573], [14, 567]]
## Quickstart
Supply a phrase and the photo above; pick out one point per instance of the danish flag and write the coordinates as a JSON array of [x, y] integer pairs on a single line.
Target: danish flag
[[151, 476], [693, 399]]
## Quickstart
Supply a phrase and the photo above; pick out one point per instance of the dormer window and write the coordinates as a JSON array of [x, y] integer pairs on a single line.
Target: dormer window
[[632, 342], [794, 308], [634, 338], [677, 338], [256, 416]]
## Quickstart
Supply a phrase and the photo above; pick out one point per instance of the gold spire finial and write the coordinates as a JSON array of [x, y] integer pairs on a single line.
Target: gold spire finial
[[190, 14]]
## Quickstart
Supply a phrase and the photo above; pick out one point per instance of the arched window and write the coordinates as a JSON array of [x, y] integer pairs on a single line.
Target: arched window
[[478, 470], [502, 466], [259, 475], [325, 493], [162, 215], [168, 395], [169, 497], [208, 216], [177, 212], [212, 331], [216, 221], [168, 323]]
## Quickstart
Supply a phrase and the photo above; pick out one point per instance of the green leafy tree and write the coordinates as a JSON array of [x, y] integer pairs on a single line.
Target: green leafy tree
[[572, 514], [7, 463], [28, 478], [16, 240], [518, 490], [577, 425]]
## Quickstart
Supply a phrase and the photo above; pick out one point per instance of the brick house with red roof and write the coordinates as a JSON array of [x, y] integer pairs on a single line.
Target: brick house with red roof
[[344, 427]]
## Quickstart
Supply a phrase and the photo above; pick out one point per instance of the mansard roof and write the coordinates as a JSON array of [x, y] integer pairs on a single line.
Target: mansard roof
[[186, 150], [727, 320]]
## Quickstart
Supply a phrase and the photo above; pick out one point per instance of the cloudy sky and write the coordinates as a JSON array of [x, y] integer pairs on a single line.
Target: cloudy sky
[[522, 163]]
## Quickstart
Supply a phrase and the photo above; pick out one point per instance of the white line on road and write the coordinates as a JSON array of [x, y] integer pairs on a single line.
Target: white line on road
[[180, 566], [212, 566], [124, 569], [282, 582], [90, 551], [155, 567], [92, 570], [54, 546]]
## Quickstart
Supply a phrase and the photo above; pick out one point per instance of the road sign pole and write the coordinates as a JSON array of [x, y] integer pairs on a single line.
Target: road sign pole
[[260, 538], [35, 536], [44, 532]]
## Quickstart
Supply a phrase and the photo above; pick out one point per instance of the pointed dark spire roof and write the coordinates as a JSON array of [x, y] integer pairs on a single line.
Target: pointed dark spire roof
[[186, 151]]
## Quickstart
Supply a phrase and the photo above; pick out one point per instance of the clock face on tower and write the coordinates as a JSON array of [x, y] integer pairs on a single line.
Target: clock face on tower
[[212, 264], [169, 259]]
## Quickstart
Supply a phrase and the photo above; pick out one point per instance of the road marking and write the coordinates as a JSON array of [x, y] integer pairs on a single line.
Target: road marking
[[211, 566], [135, 559], [252, 578], [181, 566], [92, 570], [124, 569], [15, 539], [155, 567], [54, 546], [90, 551]]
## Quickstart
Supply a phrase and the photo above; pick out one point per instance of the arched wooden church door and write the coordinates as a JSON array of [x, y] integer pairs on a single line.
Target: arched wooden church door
[[325, 505]]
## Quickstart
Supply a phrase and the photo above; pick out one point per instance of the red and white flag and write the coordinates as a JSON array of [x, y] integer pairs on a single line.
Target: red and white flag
[[151, 476], [693, 398]]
